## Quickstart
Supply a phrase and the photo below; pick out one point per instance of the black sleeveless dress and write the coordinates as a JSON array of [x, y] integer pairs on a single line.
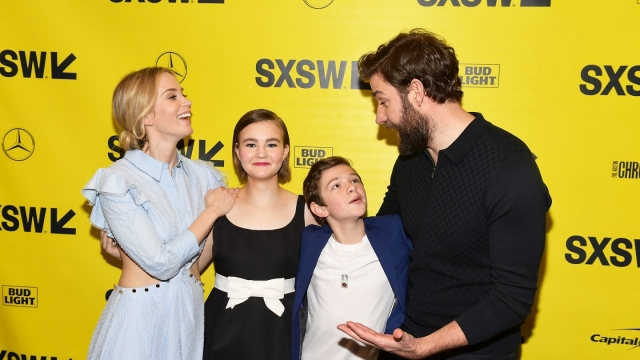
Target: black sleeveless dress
[[250, 330]]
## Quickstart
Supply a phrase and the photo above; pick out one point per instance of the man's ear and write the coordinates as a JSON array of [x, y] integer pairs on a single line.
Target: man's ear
[[317, 210], [416, 92]]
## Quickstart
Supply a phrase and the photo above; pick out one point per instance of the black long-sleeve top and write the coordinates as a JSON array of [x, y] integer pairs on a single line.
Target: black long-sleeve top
[[478, 222]]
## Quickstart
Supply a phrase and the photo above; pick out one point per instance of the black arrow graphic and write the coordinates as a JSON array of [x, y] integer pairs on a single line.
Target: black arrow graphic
[[57, 226], [57, 70], [207, 155]]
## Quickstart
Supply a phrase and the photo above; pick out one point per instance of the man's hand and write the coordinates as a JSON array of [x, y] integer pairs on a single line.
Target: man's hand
[[109, 245], [400, 343], [404, 344]]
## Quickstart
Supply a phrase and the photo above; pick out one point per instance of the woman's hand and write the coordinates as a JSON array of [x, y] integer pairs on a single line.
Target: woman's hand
[[220, 200], [109, 245]]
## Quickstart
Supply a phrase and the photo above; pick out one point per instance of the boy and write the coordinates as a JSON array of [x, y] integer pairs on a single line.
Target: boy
[[354, 268]]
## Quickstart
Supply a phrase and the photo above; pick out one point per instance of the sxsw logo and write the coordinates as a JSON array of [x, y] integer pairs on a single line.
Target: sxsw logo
[[32, 219], [618, 252], [602, 80], [625, 170], [33, 63], [305, 156], [479, 75], [307, 74], [20, 296], [10, 355], [205, 152], [489, 3], [169, 1]]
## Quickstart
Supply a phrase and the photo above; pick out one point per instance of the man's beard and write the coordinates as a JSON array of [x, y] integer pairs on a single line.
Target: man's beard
[[413, 129]]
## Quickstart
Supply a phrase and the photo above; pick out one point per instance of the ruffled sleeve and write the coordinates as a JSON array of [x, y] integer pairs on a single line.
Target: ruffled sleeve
[[110, 184], [120, 208], [214, 177]]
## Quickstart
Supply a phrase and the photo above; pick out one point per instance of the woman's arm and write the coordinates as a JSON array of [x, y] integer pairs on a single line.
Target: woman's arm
[[137, 235], [206, 256], [109, 245]]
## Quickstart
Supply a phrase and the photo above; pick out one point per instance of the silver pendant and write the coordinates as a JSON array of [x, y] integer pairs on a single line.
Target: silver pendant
[[345, 281]]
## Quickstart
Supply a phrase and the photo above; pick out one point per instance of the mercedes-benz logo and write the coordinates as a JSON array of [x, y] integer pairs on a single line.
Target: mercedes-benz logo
[[18, 144], [175, 62], [318, 4]]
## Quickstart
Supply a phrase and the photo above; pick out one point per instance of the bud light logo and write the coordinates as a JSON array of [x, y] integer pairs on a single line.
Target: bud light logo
[[305, 156], [480, 75], [20, 296]]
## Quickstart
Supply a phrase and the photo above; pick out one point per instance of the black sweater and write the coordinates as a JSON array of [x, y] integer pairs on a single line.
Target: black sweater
[[478, 222]]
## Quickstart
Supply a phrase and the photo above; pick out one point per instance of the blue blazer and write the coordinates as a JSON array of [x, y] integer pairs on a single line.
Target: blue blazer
[[391, 245]]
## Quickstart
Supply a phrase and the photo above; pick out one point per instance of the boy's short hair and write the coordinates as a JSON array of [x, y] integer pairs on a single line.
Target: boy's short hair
[[311, 184]]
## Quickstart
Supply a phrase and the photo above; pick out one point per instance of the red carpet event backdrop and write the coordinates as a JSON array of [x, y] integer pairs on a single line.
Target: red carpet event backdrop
[[563, 75]]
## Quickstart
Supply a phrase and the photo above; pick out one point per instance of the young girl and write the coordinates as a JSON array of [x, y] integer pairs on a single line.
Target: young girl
[[159, 208], [255, 249]]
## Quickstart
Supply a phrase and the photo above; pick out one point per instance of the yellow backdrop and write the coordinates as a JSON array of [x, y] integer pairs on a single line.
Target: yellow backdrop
[[564, 76]]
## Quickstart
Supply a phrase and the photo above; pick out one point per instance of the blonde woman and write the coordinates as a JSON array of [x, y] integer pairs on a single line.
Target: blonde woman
[[159, 207]]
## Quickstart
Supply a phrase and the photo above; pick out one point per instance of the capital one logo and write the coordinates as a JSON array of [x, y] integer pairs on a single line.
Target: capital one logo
[[489, 3], [18, 144], [625, 339]]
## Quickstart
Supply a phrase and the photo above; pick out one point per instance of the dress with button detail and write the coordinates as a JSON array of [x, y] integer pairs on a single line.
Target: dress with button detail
[[148, 210]]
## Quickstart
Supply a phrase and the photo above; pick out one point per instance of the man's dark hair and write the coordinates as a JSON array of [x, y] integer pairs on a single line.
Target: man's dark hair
[[418, 54]]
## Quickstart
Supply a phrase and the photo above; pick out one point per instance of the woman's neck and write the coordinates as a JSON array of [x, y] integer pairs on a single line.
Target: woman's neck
[[162, 152], [261, 192]]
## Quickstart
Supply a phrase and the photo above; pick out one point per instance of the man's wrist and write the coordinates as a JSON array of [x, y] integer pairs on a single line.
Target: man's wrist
[[424, 347]]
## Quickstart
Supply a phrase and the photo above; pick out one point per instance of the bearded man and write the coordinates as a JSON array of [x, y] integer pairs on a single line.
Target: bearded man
[[471, 199]]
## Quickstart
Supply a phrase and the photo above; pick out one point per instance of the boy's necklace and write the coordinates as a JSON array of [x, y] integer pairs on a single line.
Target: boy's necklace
[[344, 277]]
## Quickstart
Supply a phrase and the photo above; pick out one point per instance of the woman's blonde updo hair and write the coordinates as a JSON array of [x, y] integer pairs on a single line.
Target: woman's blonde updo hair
[[133, 99]]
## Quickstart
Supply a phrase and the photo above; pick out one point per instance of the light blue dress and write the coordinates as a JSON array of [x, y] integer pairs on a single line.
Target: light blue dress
[[148, 210]]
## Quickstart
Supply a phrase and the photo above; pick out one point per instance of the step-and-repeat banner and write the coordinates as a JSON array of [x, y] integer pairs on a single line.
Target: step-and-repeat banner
[[562, 75]]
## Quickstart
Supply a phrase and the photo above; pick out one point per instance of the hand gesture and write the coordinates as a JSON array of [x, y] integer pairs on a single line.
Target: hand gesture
[[109, 245], [220, 200], [400, 343]]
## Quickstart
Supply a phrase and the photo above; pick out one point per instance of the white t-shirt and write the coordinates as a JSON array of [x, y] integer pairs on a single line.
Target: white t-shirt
[[368, 299]]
